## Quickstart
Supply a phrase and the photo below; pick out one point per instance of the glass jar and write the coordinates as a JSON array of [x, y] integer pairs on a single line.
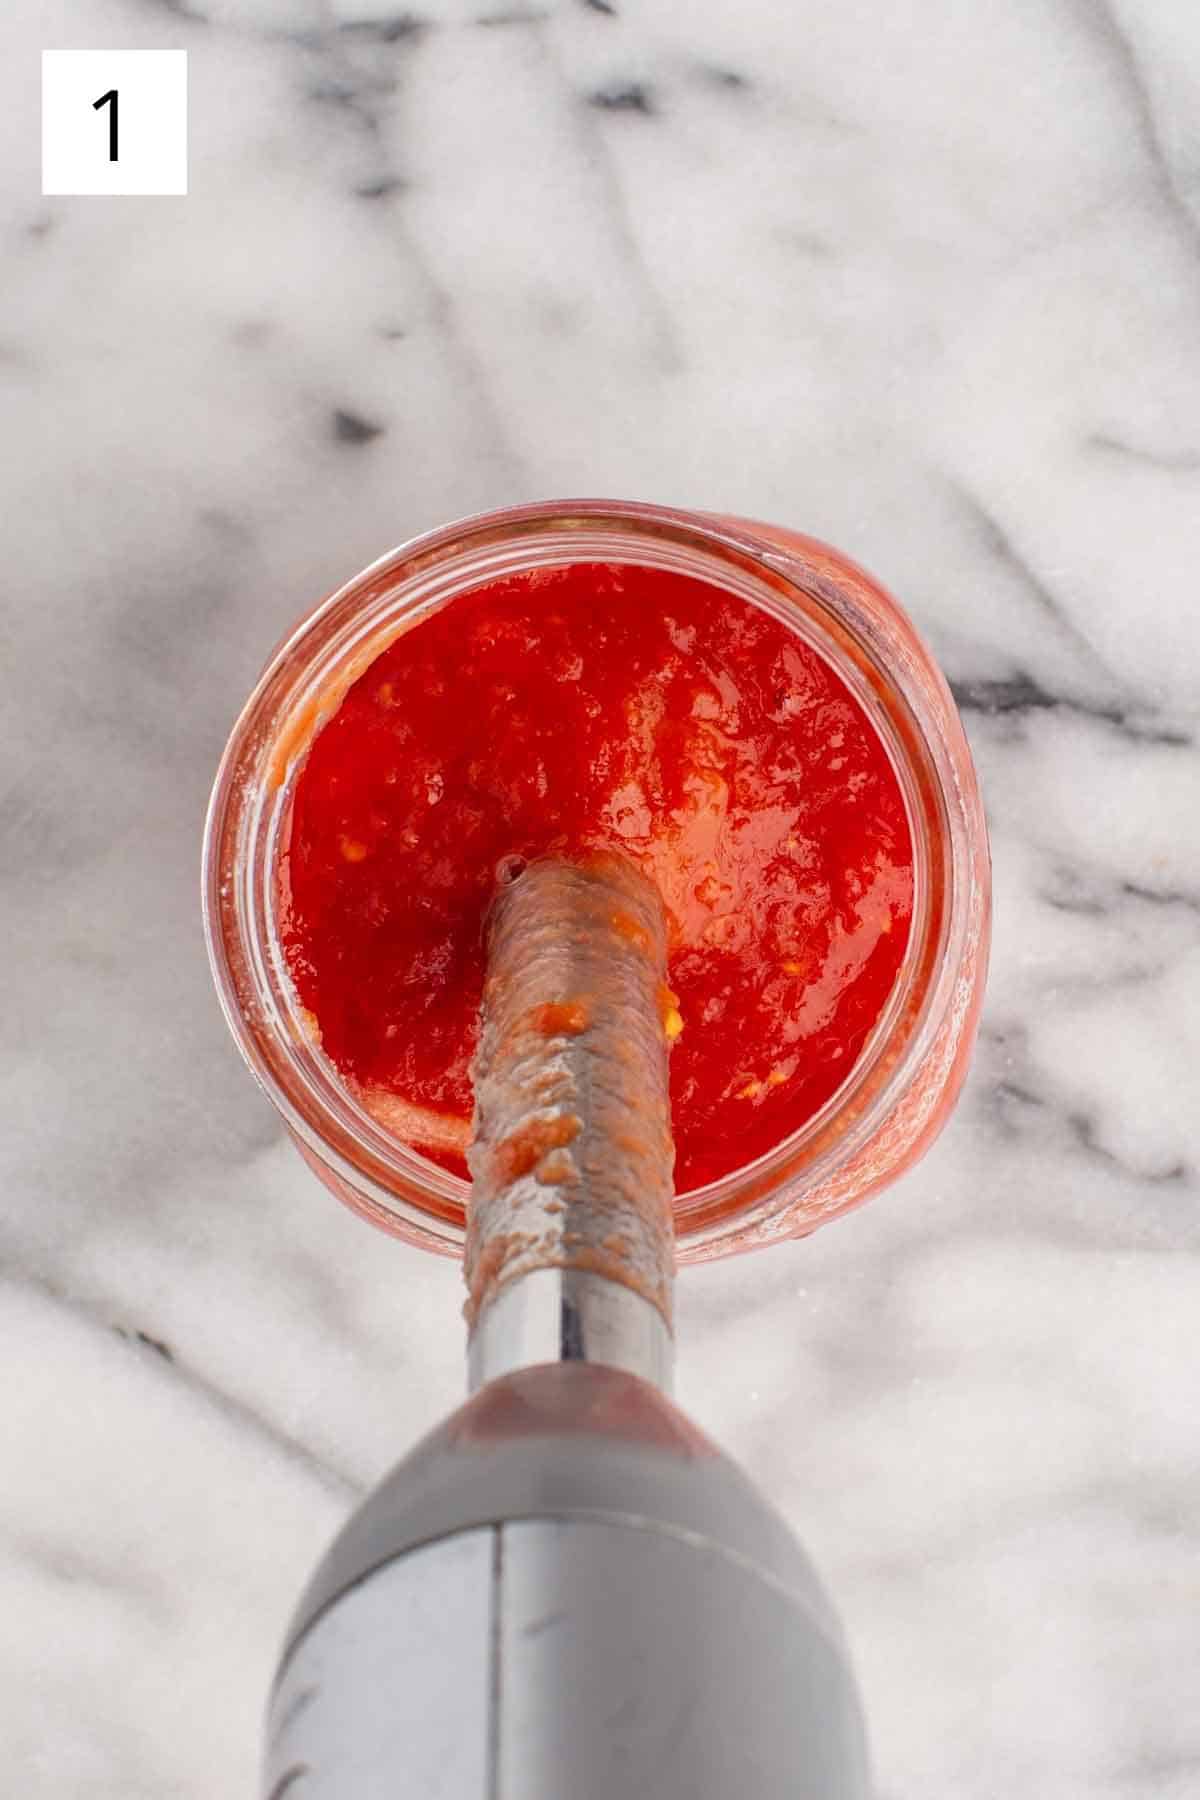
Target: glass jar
[[903, 1084]]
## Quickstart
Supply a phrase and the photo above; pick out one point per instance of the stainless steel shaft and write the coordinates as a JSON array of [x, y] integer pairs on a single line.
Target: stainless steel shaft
[[569, 1247]]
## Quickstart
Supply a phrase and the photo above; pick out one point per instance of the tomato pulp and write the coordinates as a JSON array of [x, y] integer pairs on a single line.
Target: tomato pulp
[[595, 707]]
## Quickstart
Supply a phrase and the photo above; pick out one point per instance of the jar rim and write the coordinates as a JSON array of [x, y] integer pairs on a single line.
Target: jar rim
[[810, 589]]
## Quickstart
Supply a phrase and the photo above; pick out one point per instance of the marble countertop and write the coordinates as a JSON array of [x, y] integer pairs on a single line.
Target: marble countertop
[[922, 280]]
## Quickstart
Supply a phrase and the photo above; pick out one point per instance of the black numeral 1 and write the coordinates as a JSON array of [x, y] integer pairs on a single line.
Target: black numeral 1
[[112, 120]]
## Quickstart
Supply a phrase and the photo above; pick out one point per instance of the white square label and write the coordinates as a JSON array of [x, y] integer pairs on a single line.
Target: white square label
[[114, 121]]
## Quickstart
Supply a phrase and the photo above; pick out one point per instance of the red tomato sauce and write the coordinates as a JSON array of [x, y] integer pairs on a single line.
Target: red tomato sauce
[[602, 706]]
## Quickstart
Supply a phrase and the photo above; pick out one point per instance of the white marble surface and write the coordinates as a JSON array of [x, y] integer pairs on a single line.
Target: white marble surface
[[924, 280]]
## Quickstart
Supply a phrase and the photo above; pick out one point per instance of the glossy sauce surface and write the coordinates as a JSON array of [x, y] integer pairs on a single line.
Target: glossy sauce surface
[[601, 707]]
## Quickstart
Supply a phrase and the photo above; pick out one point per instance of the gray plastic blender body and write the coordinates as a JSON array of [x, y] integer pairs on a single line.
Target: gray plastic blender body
[[566, 1593]]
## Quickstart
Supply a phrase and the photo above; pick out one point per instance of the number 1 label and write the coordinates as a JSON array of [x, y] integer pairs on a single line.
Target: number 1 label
[[104, 100], [141, 96]]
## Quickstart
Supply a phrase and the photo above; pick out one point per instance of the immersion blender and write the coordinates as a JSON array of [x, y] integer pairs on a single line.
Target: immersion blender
[[566, 1592]]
